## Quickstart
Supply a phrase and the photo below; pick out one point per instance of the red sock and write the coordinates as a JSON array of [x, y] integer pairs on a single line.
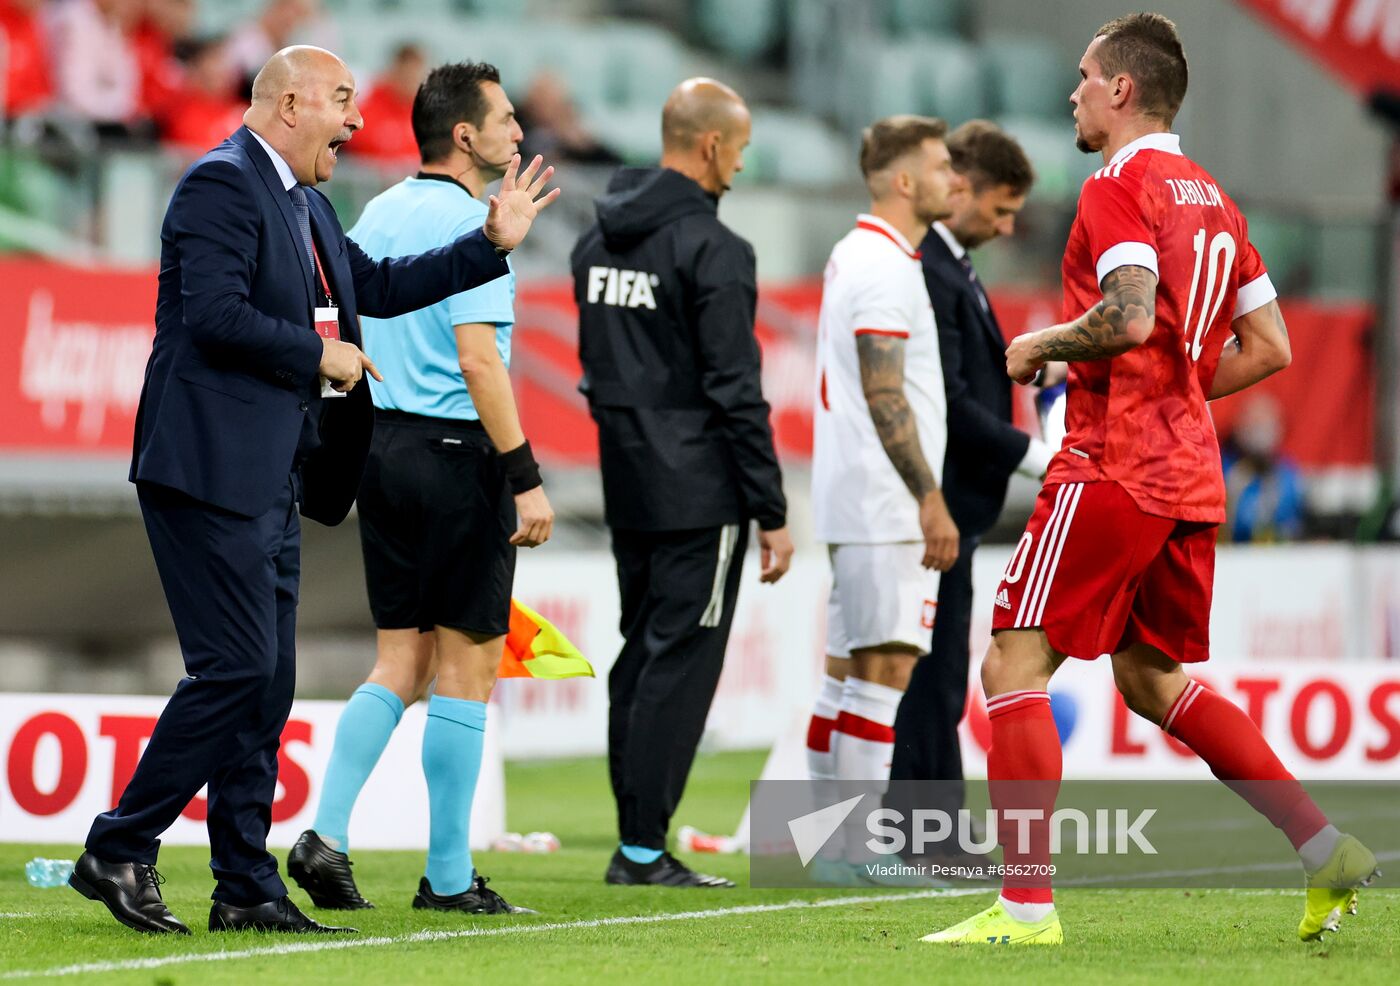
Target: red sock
[[1224, 737], [1025, 749]]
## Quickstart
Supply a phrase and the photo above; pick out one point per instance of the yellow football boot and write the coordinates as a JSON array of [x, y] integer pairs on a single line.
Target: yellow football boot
[[1332, 887], [995, 927]]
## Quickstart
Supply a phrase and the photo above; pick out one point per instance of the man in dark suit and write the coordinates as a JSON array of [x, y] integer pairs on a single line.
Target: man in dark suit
[[984, 449], [256, 323]]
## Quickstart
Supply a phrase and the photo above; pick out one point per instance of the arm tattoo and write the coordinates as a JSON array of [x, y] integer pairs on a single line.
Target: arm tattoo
[[1129, 296], [882, 379]]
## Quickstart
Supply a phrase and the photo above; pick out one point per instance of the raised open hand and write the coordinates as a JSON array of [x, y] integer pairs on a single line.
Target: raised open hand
[[514, 208]]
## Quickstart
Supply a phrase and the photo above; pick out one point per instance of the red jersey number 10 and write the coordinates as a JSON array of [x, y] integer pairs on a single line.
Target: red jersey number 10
[[1218, 260]]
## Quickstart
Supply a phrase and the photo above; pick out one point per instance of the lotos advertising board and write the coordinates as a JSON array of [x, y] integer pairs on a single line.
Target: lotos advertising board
[[1293, 642], [69, 757]]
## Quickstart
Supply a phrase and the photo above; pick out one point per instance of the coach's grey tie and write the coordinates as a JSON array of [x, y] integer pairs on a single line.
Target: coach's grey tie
[[303, 211]]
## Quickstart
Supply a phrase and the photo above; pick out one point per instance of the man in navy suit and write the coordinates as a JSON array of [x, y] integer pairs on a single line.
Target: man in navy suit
[[984, 449], [250, 411]]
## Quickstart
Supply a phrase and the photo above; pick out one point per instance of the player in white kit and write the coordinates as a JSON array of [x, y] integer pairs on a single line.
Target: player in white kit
[[880, 434]]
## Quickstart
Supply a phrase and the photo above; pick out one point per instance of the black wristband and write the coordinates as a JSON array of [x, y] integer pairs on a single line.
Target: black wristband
[[522, 471]]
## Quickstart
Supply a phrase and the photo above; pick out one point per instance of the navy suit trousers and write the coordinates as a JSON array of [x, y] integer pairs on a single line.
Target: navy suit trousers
[[926, 746], [231, 583]]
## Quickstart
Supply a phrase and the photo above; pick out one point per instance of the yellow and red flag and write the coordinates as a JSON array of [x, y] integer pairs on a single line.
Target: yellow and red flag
[[536, 649]]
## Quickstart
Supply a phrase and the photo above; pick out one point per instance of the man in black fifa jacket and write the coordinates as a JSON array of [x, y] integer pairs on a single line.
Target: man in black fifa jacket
[[666, 298]]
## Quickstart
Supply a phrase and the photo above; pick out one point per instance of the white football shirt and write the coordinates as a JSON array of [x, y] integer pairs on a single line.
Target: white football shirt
[[874, 284]]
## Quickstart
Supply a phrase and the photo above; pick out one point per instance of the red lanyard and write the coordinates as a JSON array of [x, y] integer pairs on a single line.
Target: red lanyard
[[321, 269]]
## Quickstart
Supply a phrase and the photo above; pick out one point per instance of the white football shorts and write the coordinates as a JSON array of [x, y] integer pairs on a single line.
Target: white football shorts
[[880, 594]]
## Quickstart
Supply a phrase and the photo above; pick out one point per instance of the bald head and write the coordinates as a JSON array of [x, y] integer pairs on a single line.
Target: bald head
[[292, 68], [697, 107], [704, 129], [304, 106]]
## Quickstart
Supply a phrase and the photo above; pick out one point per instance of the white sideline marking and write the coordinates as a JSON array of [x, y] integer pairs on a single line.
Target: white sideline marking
[[296, 948], [12, 915]]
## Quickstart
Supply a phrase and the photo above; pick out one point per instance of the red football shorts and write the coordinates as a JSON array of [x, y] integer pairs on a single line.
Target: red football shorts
[[1097, 574]]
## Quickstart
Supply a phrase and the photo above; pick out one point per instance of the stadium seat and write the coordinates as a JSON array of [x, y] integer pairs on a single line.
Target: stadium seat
[[904, 17], [580, 55], [1346, 254], [740, 29], [1028, 76], [642, 64], [1286, 246], [220, 18], [492, 8], [634, 133], [935, 76], [31, 187], [877, 80], [1060, 168], [952, 79], [796, 149]]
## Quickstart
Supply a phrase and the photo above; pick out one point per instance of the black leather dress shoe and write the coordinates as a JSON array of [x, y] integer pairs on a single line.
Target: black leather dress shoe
[[131, 892], [276, 915], [666, 871], [476, 899], [324, 874]]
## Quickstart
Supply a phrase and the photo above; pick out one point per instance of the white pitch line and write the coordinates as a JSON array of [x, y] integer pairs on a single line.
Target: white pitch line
[[296, 948], [12, 915]]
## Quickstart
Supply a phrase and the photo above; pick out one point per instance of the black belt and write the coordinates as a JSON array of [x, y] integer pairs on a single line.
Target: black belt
[[405, 419]]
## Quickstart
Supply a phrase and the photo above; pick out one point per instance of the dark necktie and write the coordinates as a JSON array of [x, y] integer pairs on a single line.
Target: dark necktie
[[966, 265], [303, 212]]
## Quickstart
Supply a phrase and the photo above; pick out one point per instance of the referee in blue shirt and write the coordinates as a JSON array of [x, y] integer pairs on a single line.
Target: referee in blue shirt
[[450, 490]]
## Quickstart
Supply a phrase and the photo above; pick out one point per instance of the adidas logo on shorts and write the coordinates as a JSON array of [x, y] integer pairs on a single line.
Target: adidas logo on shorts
[[1003, 599]]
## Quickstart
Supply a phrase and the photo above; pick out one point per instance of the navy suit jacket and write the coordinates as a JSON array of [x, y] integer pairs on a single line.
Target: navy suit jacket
[[233, 373], [984, 448]]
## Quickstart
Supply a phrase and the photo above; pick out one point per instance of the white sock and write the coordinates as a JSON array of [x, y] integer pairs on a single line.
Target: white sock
[[821, 763], [1025, 913], [864, 737], [864, 744], [1318, 849]]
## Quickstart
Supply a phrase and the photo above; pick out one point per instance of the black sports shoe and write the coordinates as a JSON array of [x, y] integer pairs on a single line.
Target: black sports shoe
[[476, 899], [667, 871], [324, 874]]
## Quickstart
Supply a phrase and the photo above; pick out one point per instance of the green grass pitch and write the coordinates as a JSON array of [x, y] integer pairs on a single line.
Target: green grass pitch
[[675, 936]]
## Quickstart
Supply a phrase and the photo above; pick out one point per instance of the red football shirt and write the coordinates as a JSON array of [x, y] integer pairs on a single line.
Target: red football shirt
[[1140, 419]]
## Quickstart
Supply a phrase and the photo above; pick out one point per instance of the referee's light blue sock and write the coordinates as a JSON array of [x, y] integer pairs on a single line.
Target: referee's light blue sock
[[640, 854], [360, 737], [452, 744]]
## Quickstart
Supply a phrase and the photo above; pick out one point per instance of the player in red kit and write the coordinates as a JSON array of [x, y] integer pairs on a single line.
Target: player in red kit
[[1118, 557]]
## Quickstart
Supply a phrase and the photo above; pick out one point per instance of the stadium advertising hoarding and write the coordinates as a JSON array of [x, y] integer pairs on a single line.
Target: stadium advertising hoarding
[[1295, 643], [74, 356], [1298, 656], [1357, 40], [68, 757]]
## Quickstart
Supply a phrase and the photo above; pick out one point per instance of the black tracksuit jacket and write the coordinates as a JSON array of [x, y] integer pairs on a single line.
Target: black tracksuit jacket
[[666, 297]]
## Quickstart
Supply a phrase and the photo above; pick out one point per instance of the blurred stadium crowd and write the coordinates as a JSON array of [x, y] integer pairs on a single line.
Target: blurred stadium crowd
[[105, 101]]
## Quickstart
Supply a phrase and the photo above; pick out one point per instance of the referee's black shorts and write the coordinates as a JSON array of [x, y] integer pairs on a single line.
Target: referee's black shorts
[[436, 518]]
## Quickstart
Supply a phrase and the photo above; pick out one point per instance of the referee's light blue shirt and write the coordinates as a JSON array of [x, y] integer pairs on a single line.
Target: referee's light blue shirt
[[417, 352]]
